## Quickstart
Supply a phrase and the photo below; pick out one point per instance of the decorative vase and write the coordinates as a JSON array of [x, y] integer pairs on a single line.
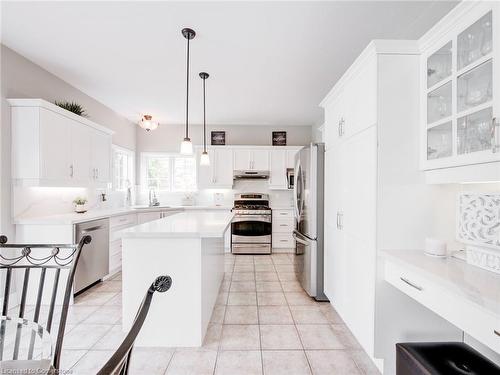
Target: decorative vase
[[80, 208]]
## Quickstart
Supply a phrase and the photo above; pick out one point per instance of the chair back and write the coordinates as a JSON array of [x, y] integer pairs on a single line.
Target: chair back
[[120, 360], [47, 260]]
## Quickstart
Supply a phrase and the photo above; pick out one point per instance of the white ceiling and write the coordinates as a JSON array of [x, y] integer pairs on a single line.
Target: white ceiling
[[270, 63]]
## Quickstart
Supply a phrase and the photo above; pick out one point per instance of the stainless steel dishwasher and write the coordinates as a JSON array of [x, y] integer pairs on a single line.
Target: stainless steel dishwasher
[[94, 260]]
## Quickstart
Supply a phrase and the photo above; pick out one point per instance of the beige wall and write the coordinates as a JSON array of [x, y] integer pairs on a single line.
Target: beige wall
[[21, 78], [168, 138]]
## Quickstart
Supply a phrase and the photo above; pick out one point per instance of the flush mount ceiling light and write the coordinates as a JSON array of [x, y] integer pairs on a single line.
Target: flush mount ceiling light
[[147, 123], [186, 145], [204, 159]]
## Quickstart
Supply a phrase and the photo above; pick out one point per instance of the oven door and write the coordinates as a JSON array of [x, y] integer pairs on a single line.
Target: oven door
[[251, 229]]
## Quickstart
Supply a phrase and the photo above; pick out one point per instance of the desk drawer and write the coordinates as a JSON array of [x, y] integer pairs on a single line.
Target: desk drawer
[[458, 310], [283, 241], [281, 214], [118, 221], [281, 225]]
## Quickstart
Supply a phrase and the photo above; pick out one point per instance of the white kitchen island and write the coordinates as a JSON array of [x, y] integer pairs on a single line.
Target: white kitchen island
[[189, 247]]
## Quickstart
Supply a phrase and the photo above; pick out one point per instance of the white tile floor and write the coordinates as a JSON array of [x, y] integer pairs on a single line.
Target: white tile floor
[[263, 323]]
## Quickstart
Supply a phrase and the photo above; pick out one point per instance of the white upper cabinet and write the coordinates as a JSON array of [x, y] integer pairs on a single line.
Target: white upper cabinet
[[242, 159], [80, 146], [247, 159], [219, 174], [223, 165], [460, 80], [55, 152], [290, 158], [101, 157], [54, 147], [277, 179], [260, 160]]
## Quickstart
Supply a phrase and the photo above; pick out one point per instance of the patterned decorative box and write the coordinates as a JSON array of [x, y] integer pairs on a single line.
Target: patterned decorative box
[[478, 226]]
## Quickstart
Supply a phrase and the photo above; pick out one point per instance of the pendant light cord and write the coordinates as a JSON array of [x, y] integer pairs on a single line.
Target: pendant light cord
[[204, 120], [187, 90]]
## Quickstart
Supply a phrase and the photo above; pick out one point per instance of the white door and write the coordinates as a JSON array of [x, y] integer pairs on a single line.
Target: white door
[[223, 160], [55, 148], [277, 178], [260, 160], [80, 152], [359, 228], [101, 156], [242, 159]]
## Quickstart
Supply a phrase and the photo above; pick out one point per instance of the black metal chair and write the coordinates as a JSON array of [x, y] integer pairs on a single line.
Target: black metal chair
[[120, 360], [45, 259]]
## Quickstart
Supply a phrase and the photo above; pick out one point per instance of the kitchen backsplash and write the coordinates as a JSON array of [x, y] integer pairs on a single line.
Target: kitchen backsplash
[[278, 198], [479, 219], [45, 201]]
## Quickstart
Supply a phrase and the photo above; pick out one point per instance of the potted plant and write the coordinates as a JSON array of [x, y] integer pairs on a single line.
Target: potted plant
[[79, 203], [72, 107]]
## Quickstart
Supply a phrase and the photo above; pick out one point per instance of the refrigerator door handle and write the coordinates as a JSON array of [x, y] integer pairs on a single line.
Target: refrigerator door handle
[[298, 237]]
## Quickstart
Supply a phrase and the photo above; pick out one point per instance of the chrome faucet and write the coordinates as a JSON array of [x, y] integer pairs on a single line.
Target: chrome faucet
[[153, 201]]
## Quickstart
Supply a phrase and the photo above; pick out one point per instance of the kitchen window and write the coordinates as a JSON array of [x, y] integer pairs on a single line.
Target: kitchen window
[[168, 172], [123, 168]]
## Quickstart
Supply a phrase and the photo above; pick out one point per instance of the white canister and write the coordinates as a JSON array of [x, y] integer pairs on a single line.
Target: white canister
[[435, 247]]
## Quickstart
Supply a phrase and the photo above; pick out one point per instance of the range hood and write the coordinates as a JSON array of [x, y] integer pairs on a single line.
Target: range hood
[[250, 174]]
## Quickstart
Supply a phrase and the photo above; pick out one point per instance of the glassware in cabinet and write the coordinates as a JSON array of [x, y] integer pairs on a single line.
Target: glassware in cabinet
[[475, 87], [475, 132], [439, 103], [475, 42], [439, 65], [440, 141]]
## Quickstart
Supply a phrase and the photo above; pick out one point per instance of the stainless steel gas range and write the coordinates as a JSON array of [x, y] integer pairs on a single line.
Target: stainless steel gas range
[[252, 224]]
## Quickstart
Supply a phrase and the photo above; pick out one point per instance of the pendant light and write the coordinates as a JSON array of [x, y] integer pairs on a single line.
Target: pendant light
[[204, 159], [147, 123], [186, 145]]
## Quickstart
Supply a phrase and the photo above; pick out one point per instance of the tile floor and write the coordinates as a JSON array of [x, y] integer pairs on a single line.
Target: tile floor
[[263, 323]]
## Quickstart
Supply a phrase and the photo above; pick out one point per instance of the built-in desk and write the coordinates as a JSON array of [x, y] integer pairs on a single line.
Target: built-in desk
[[465, 295]]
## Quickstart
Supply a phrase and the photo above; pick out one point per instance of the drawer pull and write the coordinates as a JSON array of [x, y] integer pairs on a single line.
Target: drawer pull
[[283, 225], [283, 240], [419, 288], [496, 332]]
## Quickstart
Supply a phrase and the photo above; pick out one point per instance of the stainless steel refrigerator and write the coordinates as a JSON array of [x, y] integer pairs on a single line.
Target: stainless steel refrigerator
[[308, 206]]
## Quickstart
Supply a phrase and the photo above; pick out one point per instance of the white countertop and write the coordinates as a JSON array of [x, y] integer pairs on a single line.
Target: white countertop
[[75, 218], [471, 282], [189, 224]]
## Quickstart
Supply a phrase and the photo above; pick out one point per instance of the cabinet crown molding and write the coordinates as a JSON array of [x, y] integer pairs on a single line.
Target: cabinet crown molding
[[375, 47], [15, 102]]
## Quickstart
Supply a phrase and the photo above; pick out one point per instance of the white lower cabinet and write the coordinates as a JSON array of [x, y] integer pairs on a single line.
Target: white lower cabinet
[[283, 225], [144, 217]]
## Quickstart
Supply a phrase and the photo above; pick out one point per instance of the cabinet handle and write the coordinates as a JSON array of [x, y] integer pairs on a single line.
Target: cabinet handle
[[71, 170], [97, 173], [496, 332], [283, 225], [341, 127], [419, 288], [495, 144], [340, 224]]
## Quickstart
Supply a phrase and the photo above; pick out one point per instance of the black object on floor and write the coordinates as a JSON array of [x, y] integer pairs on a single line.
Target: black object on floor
[[441, 358]]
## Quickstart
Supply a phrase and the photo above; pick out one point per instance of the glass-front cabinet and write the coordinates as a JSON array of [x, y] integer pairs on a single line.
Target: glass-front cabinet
[[461, 87]]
